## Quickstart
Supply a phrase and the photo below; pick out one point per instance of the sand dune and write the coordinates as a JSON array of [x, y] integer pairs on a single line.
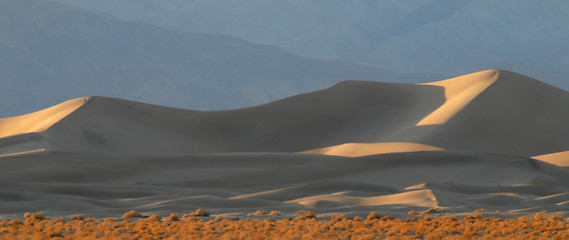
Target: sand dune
[[66, 183], [498, 111], [559, 159], [460, 144], [419, 198], [364, 149], [38, 121], [459, 92]]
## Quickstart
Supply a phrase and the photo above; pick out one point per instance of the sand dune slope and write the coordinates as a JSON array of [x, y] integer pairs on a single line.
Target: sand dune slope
[[559, 159], [491, 111], [460, 144], [329, 117], [38, 121], [23, 134], [68, 183], [515, 114], [459, 92], [364, 149]]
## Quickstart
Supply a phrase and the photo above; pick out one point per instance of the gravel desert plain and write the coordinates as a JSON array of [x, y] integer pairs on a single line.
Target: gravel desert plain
[[483, 155]]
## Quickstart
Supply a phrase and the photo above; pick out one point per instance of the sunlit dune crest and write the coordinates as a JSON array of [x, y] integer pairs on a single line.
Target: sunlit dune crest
[[419, 198], [39, 121], [459, 92], [365, 149], [560, 158]]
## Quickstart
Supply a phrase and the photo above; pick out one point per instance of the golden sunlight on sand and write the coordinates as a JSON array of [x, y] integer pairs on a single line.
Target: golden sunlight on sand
[[366, 149], [560, 158], [39, 121], [459, 92], [418, 198]]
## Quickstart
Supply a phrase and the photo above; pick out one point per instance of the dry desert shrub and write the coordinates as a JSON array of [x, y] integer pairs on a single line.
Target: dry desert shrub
[[132, 214], [472, 227], [258, 213], [538, 217], [15, 222], [275, 213], [34, 216], [481, 210], [433, 210], [555, 218], [373, 215], [155, 217], [303, 214], [338, 218], [200, 213], [173, 217], [413, 213], [263, 213]]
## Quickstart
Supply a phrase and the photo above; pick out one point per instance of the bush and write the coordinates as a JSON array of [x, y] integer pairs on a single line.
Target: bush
[[339, 218], [275, 213], [200, 213], [258, 213], [132, 214], [15, 223], [433, 210], [302, 214], [34, 216], [173, 217], [373, 215], [413, 213], [481, 210]]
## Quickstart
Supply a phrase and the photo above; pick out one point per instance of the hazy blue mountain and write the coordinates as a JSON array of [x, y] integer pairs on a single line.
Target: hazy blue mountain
[[51, 52], [447, 36]]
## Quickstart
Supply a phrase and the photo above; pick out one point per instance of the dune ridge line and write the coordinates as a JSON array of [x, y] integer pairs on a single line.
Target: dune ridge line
[[39, 121], [459, 92]]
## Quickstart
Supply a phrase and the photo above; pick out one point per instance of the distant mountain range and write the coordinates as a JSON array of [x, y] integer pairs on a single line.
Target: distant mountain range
[[445, 36], [51, 52]]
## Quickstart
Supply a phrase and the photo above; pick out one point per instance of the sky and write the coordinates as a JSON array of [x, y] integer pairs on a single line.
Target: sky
[[212, 54]]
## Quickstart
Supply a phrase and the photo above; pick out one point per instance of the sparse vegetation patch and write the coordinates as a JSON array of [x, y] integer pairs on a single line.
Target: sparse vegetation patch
[[304, 226]]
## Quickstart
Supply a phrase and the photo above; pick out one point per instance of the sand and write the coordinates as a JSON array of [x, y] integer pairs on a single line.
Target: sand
[[559, 158], [365, 149], [459, 92], [493, 139]]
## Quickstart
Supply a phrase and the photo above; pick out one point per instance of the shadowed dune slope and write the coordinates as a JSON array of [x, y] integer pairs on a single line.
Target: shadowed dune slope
[[459, 92], [516, 114], [318, 119], [490, 111], [61, 183]]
